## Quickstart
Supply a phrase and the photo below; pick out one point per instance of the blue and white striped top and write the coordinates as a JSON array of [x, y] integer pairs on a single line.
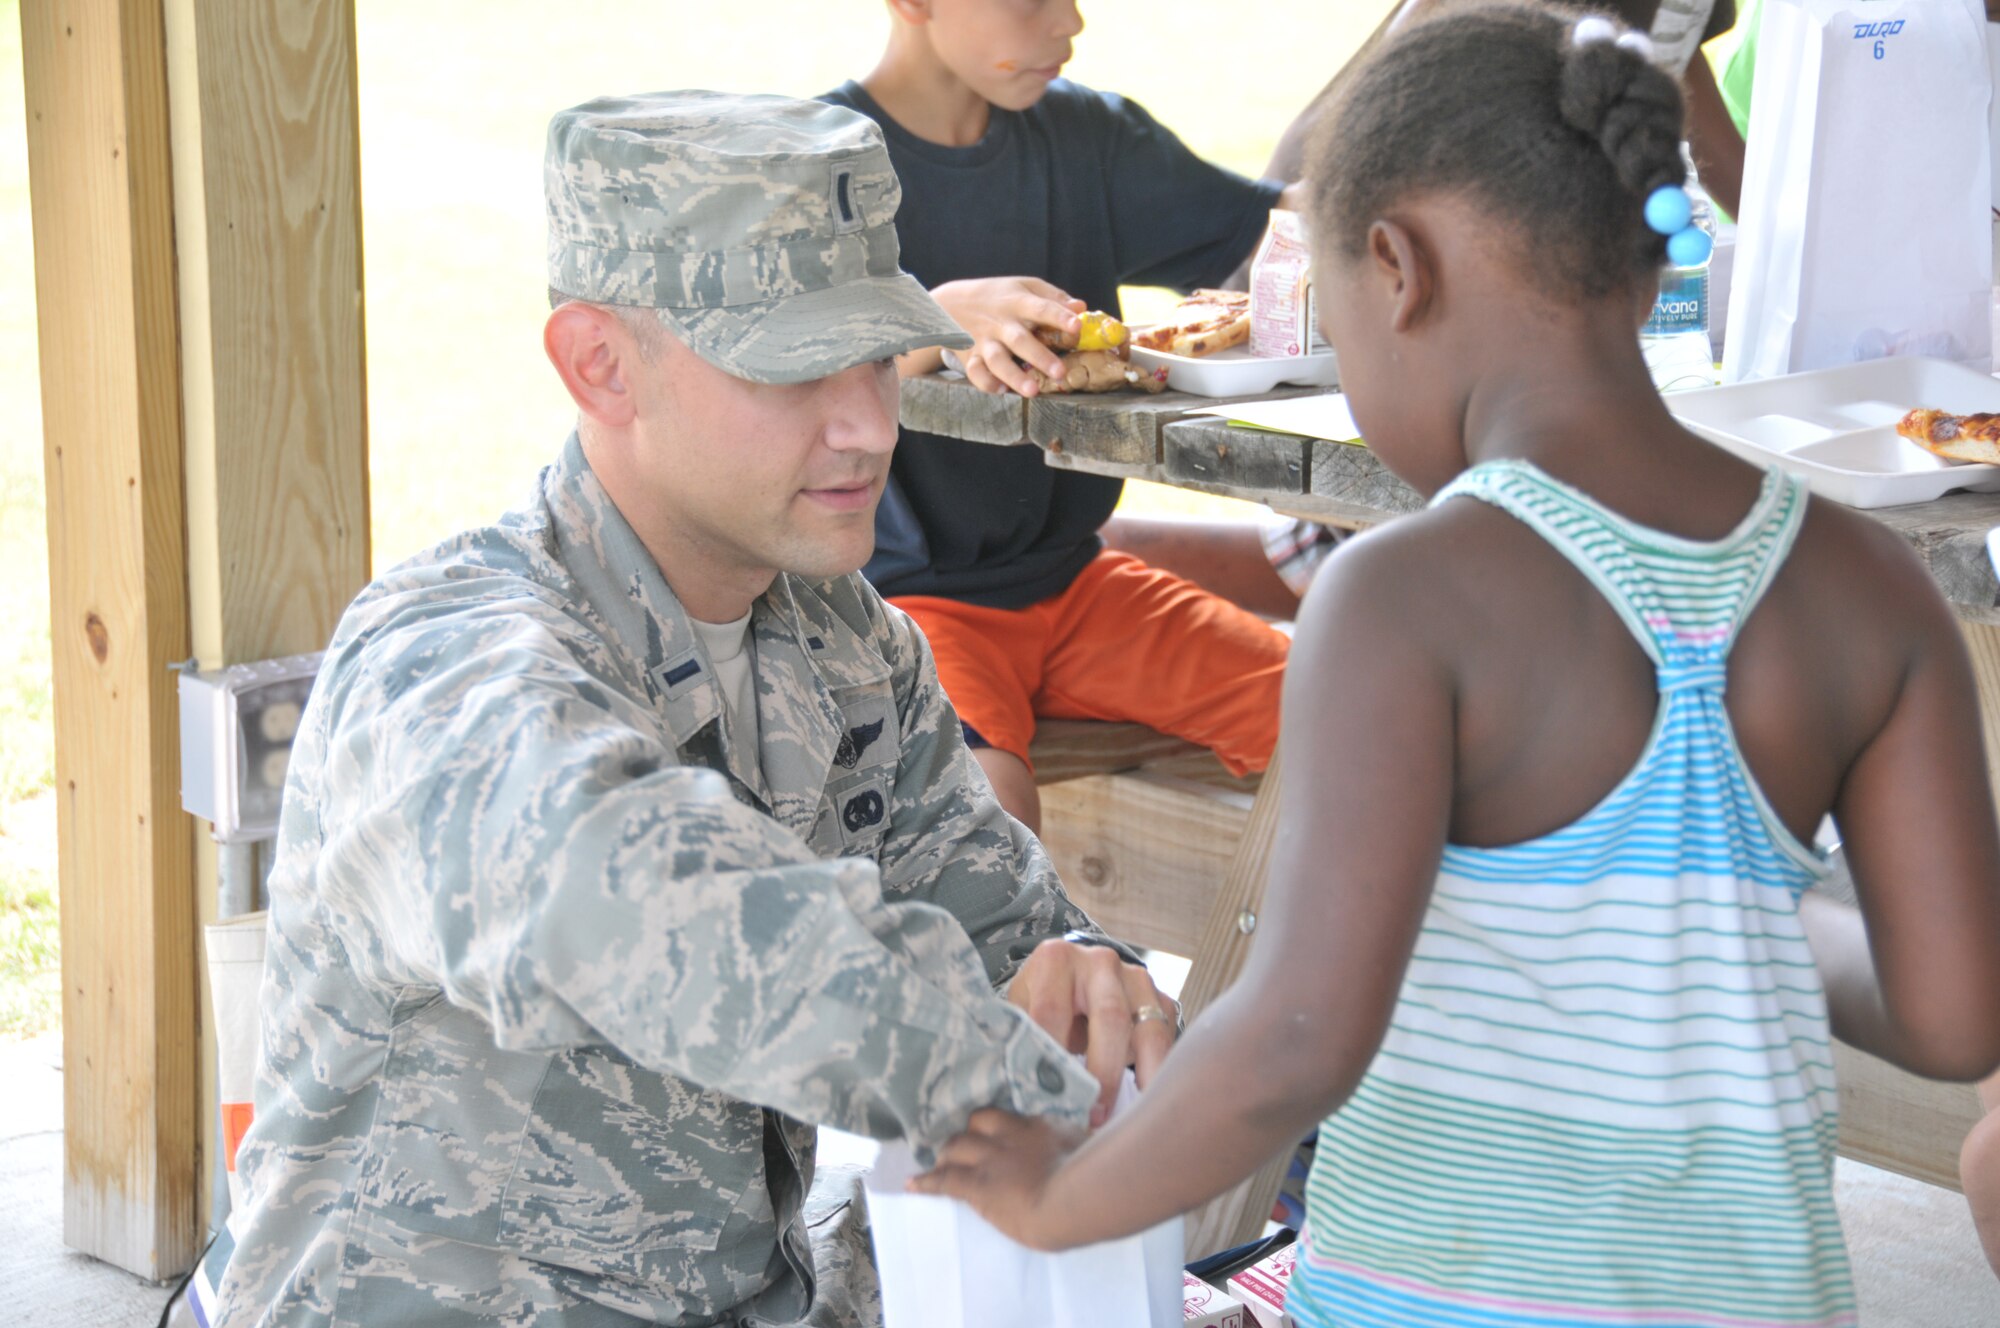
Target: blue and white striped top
[[1606, 1095]]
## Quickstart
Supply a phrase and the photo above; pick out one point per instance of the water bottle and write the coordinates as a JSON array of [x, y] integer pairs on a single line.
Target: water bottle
[[1675, 338]]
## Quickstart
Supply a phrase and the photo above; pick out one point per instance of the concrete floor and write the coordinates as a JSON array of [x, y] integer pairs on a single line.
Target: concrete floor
[[1916, 1260]]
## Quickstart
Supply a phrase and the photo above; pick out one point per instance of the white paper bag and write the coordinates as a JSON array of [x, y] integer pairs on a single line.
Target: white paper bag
[[1993, 118], [943, 1266], [1866, 189], [235, 976]]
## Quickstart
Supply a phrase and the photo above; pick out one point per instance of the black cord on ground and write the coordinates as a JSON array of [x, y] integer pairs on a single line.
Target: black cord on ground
[[180, 1288]]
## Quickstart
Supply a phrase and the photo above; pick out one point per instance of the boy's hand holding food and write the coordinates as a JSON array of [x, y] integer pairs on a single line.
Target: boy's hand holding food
[[1011, 321], [1004, 1165]]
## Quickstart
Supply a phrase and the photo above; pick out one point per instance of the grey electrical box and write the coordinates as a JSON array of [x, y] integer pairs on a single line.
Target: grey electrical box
[[237, 726]]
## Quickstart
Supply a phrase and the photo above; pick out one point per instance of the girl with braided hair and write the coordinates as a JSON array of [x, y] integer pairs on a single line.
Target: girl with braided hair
[[1539, 949]]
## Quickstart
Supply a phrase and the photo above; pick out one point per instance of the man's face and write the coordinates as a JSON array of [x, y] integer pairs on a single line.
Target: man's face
[[765, 478], [1008, 51]]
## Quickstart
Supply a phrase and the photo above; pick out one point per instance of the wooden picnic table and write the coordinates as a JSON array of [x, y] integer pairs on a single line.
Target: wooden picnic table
[[1140, 855], [1152, 438]]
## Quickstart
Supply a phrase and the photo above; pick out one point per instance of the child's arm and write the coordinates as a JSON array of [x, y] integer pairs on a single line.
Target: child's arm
[[1920, 986], [1002, 316], [1367, 757]]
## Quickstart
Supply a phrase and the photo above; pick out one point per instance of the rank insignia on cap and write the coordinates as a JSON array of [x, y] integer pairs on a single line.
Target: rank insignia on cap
[[847, 216]]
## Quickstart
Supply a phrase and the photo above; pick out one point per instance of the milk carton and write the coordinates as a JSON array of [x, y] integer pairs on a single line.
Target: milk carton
[[1262, 1286], [1284, 318], [1202, 1306]]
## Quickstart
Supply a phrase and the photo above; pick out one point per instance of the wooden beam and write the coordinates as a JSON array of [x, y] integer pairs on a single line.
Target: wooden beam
[[1891, 1119], [95, 82], [1071, 748], [267, 188], [267, 206], [1143, 854]]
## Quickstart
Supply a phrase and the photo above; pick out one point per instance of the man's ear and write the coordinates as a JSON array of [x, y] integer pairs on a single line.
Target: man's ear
[[1407, 269], [592, 351]]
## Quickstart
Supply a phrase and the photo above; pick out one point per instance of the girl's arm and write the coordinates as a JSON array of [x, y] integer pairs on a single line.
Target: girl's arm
[[1920, 985], [1368, 753]]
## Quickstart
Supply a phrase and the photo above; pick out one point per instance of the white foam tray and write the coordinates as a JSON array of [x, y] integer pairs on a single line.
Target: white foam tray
[[1237, 373], [1837, 427]]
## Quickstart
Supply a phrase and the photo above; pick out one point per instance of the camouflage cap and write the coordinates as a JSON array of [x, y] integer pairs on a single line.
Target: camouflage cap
[[763, 228]]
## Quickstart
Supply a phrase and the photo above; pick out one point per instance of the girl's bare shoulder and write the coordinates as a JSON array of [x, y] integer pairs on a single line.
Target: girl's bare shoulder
[[1437, 576], [1854, 565]]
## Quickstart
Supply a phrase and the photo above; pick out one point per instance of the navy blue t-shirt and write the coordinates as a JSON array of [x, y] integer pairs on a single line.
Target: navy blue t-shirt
[[1089, 192]]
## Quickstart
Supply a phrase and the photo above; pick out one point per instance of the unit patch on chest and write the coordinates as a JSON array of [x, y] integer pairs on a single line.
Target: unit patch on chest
[[862, 810]]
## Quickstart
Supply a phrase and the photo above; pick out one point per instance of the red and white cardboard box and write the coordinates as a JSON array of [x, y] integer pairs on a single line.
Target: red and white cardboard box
[[1202, 1306], [1262, 1286]]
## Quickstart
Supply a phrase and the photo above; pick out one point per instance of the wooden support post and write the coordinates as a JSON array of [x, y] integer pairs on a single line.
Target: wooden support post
[[267, 203], [95, 82], [1237, 1216], [267, 192]]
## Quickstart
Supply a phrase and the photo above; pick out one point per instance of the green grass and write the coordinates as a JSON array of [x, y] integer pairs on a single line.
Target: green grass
[[29, 983], [454, 99]]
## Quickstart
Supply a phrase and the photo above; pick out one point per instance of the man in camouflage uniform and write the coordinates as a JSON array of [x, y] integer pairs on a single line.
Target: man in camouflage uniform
[[579, 925]]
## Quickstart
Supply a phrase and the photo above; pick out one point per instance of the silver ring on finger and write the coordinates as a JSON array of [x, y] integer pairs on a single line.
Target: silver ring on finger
[[1149, 1012]]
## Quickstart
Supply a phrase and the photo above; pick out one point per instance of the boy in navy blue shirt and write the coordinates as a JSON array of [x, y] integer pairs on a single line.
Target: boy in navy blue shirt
[[1026, 200]]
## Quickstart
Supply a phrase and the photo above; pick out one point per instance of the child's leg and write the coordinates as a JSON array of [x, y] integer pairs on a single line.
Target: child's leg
[[1138, 644], [1223, 558], [989, 662], [1979, 1172]]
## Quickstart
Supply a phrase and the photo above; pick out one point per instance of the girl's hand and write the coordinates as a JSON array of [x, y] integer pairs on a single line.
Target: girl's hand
[[1003, 316], [1002, 1165]]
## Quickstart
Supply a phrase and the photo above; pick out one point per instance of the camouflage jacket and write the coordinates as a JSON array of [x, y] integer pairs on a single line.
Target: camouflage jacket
[[561, 977]]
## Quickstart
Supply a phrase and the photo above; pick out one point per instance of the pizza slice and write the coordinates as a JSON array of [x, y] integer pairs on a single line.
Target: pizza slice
[[1205, 322], [1954, 437]]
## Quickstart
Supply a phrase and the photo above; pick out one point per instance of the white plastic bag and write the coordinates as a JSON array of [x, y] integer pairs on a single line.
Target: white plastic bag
[[235, 976], [1866, 189], [943, 1266]]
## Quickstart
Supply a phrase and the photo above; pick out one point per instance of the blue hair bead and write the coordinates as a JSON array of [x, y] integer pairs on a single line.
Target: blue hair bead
[[1668, 209], [1689, 247]]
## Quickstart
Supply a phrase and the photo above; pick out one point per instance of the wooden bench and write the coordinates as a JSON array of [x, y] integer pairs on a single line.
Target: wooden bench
[[1166, 850]]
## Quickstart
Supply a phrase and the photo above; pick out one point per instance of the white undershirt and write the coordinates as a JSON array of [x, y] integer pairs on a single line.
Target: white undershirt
[[728, 646]]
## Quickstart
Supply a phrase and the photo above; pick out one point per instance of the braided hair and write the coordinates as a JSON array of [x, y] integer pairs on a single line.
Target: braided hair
[[1559, 142]]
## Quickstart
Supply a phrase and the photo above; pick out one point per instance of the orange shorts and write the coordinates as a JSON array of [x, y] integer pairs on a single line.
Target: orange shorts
[[1124, 642]]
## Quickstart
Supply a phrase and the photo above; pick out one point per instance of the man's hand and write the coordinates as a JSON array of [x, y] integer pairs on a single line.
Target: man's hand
[[1002, 1165], [1002, 316], [1090, 1000]]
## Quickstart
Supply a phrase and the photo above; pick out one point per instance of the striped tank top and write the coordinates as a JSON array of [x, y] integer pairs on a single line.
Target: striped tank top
[[1606, 1095]]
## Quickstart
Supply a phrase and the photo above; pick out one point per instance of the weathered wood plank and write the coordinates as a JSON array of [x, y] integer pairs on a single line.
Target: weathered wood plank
[[1351, 475], [1072, 748], [1116, 428], [1245, 462], [947, 405], [1894, 1120], [1119, 428], [1950, 536], [99, 166], [1143, 853], [1117, 470]]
